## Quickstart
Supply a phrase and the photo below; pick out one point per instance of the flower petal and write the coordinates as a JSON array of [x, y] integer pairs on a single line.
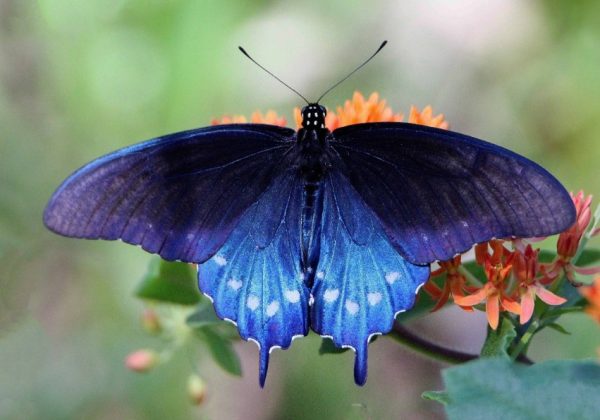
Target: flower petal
[[527, 305], [587, 271], [473, 299], [493, 311], [548, 297]]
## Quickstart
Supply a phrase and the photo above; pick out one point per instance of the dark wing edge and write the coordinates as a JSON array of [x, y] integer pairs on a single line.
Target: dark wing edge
[[437, 192], [178, 196]]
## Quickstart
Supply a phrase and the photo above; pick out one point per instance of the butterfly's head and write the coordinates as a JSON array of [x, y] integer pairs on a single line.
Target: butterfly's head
[[313, 116]]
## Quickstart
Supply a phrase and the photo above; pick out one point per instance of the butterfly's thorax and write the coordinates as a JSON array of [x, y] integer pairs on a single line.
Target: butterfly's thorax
[[313, 153]]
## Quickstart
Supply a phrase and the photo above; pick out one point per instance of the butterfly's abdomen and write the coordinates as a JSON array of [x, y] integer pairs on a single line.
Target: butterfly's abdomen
[[312, 209]]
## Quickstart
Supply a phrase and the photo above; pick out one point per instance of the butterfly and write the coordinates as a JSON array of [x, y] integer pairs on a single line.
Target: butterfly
[[310, 229]]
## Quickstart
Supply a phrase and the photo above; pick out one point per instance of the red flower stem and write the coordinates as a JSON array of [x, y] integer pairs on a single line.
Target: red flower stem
[[435, 351]]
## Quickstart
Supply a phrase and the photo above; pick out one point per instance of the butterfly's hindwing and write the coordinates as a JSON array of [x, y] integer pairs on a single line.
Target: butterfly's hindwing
[[178, 196], [361, 281], [438, 192], [255, 279]]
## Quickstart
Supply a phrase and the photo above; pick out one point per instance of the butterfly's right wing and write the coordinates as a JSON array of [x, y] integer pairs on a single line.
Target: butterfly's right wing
[[178, 196]]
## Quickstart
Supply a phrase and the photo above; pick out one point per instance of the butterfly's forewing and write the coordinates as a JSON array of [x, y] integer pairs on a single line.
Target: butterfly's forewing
[[178, 196], [361, 281], [255, 279], [438, 192]]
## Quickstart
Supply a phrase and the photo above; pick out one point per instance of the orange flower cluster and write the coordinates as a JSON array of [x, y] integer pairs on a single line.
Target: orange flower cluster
[[360, 110], [257, 117], [355, 111]]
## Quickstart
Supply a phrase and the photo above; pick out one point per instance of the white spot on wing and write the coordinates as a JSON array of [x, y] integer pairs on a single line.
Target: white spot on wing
[[293, 296], [320, 275], [330, 295], [392, 277], [234, 284], [272, 308], [252, 302], [220, 260], [374, 298], [352, 307]]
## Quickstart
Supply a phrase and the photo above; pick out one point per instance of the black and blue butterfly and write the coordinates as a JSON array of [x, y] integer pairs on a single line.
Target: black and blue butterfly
[[310, 229]]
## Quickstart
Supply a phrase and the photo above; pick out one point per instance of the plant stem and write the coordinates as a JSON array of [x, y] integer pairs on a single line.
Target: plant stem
[[435, 351], [420, 345], [524, 340]]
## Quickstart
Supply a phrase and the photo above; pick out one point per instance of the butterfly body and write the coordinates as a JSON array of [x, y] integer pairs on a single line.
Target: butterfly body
[[330, 231]]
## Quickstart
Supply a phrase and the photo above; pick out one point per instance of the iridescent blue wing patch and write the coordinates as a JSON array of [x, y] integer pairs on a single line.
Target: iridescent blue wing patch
[[178, 196], [438, 192], [361, 281], [255, 280]]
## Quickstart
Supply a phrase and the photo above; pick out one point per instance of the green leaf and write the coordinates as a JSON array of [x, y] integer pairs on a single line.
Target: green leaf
[[222, 351], [588, 257], [495, 388], [204, 316], [173, 282], [328, 347], [498, 341], [476, 270], [438, 396], [558, 328]]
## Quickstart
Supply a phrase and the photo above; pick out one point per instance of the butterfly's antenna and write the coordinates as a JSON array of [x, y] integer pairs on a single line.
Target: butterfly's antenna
[[280, 81], [353, 71]]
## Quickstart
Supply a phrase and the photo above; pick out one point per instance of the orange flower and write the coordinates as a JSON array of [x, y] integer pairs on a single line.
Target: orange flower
[[257, 117], [426, 117], [455, 284], [568, 244], [497, 268], [525, 269], [592, 295]]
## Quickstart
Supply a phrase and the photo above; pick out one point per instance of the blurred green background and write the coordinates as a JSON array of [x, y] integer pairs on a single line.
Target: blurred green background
[[79, 79]]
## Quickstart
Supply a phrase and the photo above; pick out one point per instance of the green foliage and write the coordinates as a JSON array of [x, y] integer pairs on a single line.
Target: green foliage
[[437, 396], [499, 389], [171, 282], [328, 347], [221, 350], [203, 316]]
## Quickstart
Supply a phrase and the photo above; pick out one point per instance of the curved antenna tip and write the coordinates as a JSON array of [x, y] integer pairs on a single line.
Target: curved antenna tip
[[353, 71], [268, 72]]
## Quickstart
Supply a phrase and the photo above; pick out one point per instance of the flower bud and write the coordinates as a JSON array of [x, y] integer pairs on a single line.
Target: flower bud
[[196, 389], [151, 321], [141, 360]]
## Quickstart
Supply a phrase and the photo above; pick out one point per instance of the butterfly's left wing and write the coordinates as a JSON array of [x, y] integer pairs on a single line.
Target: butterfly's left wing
[[255, 279], [361, 281], [437, 192]]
